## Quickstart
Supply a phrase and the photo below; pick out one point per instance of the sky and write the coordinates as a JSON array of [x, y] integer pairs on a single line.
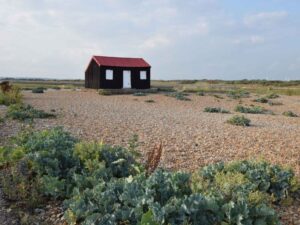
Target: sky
[[181, 39]]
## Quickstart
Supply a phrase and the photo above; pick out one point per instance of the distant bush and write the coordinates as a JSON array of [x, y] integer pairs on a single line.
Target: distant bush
[[166, 89], [261, 100], [239, 121], [236, 94], [215, 110], [1, 120], [13, 96], [56, 87], [252, 110], [272, 96], [272, 103], [200, 93], [180, 96], [139, 94], [38, 90], [104, 92], [289, 114], [26, 112], [149, 101], [218, 96], [188, 81]]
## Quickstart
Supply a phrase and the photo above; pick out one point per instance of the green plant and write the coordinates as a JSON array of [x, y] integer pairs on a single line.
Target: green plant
[[272, 103], [12, 96], [38, 90], [26, 112], [1, 120], [104, 92], [272, 96], [149, 101], [289, 114], [261, 100], [200, 93], [139, 94], [180, 96], [215, 110], [239, 121], [252, 109], [218, 96], [236, 94]]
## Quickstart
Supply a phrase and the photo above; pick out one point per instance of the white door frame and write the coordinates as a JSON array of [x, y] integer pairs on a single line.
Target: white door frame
[[126, 79]]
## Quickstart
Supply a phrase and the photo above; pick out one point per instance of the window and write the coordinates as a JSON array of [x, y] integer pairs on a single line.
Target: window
[[143, 75], [109, 74]]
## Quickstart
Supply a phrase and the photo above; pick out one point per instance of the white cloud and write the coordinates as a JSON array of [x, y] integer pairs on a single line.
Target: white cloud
[[264, 18], [253, 39], [155, 41]]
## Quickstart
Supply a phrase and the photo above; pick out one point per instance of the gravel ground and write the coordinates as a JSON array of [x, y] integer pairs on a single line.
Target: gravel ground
[[190, 137]]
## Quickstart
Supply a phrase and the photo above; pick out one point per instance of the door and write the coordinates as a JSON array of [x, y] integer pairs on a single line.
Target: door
[[126, 79]]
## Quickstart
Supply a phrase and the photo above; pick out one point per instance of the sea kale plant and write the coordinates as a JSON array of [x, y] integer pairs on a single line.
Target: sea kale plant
[[103, 184]]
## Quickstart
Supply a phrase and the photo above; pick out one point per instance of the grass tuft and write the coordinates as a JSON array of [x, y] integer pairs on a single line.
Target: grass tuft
[[215, 110], [239, 121], [289, 114]]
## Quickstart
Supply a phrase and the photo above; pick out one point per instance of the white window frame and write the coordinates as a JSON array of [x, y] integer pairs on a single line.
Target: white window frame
[[143, 75], [109, 74]]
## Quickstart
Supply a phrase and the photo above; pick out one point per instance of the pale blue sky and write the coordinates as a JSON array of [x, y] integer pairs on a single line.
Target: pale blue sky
[[181, 39]]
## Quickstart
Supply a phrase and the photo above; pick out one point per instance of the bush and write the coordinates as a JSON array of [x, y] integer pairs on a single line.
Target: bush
[[38, 90], [272, 103], [236, 94], [239, 121], [1, 120], [200, 93], [139, 94], [104, 92], [252, 109], [215, 110], [149, 101], [272, 96], [261, 100], [289, 114], [180, 96], [13, 96], [22, 112]]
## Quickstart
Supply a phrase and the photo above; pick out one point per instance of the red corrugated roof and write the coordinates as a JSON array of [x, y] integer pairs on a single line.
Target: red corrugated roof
[[120, 61]]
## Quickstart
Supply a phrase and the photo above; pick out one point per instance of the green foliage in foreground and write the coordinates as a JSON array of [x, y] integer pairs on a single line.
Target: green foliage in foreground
[[13, 96], [289, 114], [103, 184], [215, 110], [26, 112], [239, 121]]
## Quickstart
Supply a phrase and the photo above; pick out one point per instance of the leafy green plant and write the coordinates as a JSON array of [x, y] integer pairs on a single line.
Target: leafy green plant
[[272, 96], [261, 100], [13, 96], [26, 112], [139, 94], [252, 109], [239, 121], [215, 110], [289, 114], [179, 96], [236, 94], [38, 90]]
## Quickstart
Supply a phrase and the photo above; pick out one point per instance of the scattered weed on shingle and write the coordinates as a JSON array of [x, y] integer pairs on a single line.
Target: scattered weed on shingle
[[289, 114], [239, 121], [215, 110]]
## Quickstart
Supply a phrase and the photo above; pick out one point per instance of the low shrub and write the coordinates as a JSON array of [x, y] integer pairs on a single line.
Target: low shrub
[[139, 94], [218, 96], [1, 120], [239, 121], [149, 101], [215, 110], [38, 90], [261, 100], [180, 96], [26, 112], [200, 93], [236, 94], [272, 103], [272, 96], [289, 114], [104, 92], [252, 109], [12, 96]]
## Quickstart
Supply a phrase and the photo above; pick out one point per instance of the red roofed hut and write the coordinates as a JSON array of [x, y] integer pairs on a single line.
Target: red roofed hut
[[105, 72]]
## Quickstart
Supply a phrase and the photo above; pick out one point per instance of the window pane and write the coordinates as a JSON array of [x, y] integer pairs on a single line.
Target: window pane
[[109, 74], [143, 75]]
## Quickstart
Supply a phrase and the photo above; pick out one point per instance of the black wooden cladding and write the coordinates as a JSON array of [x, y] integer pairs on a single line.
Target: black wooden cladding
[[95, 77]]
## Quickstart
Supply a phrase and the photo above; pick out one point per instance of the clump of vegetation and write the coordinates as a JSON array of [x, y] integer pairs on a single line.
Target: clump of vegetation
[[239, 121], [1, 120], [261, 100], [139, 94], [102, 184], [289, 114], [218, 96], [180, 96], [236, 94], [104, 92], [11, 96], [38, 90], [200, 93], [272, 103], [26, 112], [252, 109], [272, 96], [215, 110], [149, 101]]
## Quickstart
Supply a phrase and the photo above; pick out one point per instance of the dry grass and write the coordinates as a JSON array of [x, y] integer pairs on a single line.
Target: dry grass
[[153, 158]]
